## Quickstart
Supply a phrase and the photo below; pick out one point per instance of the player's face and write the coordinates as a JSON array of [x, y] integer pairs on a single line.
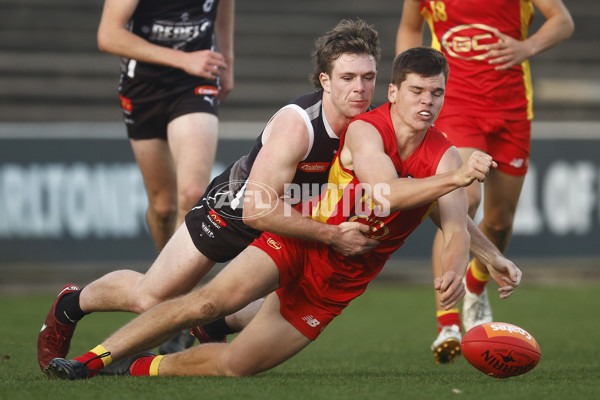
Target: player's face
[[418, 101], [351, 86]]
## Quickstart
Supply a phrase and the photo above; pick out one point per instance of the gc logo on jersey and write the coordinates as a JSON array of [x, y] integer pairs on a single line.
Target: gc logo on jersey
[[378, 229], [469, 41]]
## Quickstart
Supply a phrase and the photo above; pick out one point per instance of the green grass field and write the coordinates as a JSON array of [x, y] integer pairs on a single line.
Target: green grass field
[[378, 349]]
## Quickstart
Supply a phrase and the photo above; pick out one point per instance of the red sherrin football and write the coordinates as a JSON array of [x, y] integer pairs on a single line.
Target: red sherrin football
[[500, 350]]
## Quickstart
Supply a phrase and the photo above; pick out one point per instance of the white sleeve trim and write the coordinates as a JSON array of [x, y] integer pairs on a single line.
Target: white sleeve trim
[[304, 115]]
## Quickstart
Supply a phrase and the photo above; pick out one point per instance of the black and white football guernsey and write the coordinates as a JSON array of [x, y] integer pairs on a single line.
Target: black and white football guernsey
[[215, 223], [186, 25]]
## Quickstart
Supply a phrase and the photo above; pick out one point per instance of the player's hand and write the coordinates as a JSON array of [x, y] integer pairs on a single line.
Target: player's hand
[[351, 239], [507, 52], [451, 289], [225, 82], [205, 63], [476, 168], [506, 274]]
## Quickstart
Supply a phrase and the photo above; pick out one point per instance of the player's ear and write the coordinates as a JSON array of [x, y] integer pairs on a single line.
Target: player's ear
[[392, 92], [325, 82]]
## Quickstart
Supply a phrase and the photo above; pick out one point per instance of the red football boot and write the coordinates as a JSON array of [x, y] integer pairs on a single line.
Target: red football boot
[[54, 339]]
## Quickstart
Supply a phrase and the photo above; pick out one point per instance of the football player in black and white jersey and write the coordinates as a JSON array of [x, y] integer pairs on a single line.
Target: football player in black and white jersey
[[176, 65]]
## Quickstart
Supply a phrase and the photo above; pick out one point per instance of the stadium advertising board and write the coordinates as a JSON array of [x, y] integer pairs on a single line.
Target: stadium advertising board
[[73, 198]]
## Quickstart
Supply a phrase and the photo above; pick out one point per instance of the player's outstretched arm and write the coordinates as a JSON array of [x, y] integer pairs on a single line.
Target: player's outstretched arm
[[363, 152], [504, 272]]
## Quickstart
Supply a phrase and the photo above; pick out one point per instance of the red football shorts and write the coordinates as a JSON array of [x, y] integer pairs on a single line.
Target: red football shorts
[[508, 142], [309, 298]]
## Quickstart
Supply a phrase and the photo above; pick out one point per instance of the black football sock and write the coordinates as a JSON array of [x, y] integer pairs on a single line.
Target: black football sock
[[218, 329], [68, 310]]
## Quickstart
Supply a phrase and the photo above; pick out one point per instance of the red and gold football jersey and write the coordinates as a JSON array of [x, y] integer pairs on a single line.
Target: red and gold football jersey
[[346, 200], [461, 29]]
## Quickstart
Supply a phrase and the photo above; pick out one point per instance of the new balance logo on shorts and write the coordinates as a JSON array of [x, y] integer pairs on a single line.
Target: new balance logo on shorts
[[312, 321]]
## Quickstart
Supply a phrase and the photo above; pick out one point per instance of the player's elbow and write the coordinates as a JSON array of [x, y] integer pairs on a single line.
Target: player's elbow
[[102, 41], [569, 26]]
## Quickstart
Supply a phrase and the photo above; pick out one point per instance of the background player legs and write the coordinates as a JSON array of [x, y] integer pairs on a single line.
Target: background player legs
[[192, 140], [176, 172], [158, 171], [501, 196]]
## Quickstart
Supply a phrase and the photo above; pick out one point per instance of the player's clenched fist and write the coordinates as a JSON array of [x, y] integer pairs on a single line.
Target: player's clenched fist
[[477, 167]]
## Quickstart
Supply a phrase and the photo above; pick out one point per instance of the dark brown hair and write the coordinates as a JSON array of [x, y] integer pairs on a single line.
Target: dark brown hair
[[423, 61], [349, 36]]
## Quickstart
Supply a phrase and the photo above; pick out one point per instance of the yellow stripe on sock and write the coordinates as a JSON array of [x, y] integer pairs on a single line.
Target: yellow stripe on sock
[[154, 365], [477, 274], [443, 312], [101, 350]]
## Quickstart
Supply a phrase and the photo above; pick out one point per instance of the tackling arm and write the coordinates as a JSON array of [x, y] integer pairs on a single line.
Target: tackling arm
[[286, 143]]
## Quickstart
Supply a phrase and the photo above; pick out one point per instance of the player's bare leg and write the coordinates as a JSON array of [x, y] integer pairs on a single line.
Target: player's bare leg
[[265, 343], [248, 277], [192, 140], [156, 165], [177, 270]]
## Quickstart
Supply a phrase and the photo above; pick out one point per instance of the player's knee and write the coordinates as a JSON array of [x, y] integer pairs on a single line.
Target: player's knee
[[144, 302], [204, 308], [500, 227], [189, 197], [163, 212]]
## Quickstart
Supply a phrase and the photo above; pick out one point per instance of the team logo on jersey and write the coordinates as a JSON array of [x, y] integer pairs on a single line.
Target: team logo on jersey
[[210, 90], [215, 218], [378, 229], [314, 167], [126, 104], [469, 41], [274, 244]]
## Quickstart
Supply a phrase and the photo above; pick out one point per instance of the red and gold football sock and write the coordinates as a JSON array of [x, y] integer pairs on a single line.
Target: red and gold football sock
[[95, 359], [476, 280], [145, 366], [448, 318]]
